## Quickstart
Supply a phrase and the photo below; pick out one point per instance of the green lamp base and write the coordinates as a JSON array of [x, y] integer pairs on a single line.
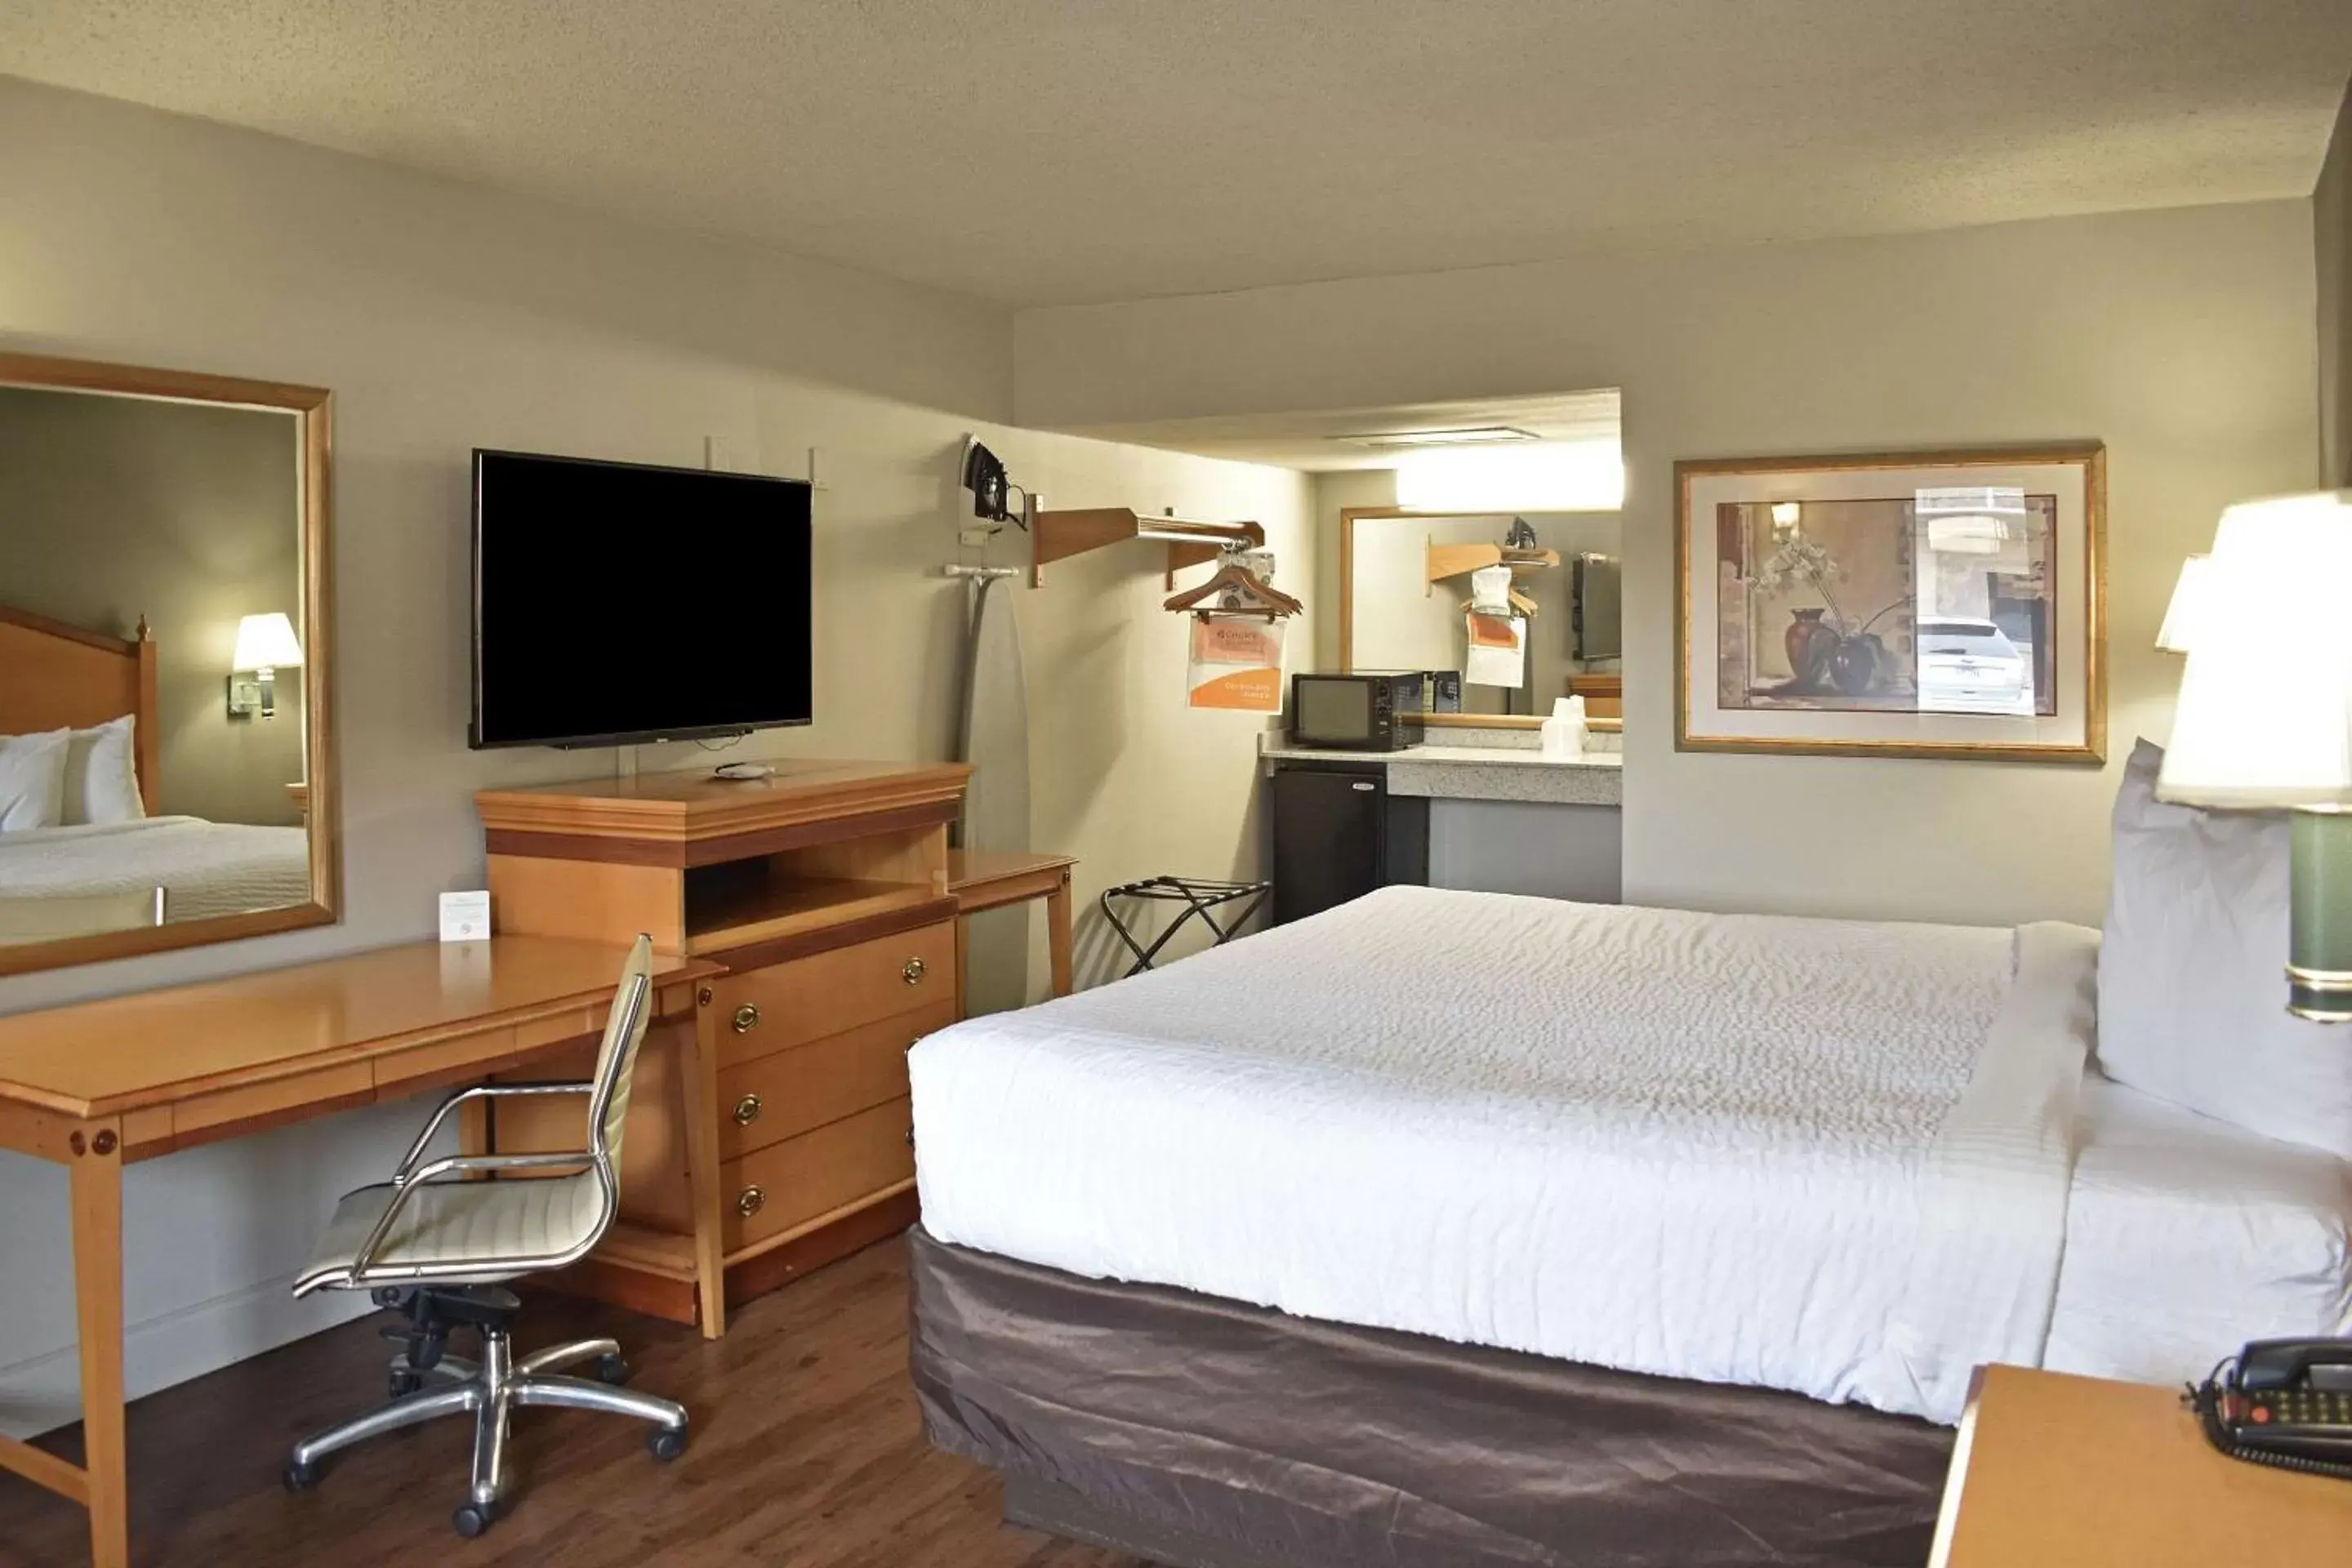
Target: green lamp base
[[2319, 944]]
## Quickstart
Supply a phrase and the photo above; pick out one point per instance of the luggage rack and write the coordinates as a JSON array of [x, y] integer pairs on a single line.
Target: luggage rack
[[1200, 896]]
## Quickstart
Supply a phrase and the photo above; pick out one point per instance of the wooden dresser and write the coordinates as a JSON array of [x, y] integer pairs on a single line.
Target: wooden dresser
[[824, 892]]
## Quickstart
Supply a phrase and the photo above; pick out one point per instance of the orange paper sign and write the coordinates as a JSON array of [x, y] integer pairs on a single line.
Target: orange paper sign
[[1236, 664]]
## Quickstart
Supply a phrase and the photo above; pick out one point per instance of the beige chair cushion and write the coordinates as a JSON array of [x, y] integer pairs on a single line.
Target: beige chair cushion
[[509, 1227]]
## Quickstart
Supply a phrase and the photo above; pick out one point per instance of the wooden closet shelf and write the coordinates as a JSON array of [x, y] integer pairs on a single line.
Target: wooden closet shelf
[[1453, 560], [1058, 535]]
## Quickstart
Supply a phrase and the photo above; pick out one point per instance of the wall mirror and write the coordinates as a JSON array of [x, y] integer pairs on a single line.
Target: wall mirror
[[1406, 602], [165, 776]]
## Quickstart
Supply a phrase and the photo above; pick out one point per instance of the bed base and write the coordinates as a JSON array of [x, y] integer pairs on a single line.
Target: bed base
[[1204, 1433]]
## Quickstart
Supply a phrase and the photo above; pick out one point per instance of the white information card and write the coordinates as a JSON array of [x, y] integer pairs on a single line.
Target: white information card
[[466, 917]]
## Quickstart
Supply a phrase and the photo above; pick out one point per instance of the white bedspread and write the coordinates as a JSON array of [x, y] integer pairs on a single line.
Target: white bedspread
[[1823, 1156], [211, 867], [2186, 1237]]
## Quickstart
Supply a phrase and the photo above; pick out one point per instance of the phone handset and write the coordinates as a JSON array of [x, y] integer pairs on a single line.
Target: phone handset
[[2284, 1403]]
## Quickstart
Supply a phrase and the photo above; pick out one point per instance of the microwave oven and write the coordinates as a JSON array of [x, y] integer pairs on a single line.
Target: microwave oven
[[1363, 711]]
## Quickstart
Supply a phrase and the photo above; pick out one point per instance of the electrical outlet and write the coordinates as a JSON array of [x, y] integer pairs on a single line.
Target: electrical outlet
[[819, 470], [718, 454]]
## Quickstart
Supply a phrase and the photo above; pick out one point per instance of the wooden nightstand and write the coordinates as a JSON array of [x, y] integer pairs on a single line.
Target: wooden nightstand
[[2076, 1472]]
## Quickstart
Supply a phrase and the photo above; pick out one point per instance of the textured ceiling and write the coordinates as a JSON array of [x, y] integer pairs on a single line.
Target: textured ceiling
[[1057, 151]]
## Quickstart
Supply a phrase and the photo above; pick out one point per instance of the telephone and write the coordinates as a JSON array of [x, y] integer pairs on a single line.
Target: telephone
[[2287, 1403]]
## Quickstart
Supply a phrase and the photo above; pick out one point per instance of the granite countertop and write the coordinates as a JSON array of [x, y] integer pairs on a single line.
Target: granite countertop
[[1496, 756], [1476, 772]]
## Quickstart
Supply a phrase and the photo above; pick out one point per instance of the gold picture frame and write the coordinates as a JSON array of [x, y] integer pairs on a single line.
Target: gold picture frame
[[1972, 624]]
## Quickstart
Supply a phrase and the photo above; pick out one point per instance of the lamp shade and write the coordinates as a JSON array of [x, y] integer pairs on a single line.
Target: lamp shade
[[2266, 713], [2179, 632], [266, 642]]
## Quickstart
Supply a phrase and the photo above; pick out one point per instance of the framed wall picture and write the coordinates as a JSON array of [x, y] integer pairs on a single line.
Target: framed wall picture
[[1910, 605]]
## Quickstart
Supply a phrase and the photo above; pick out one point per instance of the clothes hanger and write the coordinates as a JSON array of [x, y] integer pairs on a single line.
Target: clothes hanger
[[1234, 590]]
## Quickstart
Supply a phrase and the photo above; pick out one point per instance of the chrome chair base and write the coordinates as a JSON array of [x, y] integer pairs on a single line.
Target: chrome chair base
[[490, 1391]]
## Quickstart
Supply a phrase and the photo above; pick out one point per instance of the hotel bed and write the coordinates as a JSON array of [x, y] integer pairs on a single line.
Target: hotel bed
[[55, 676], [1452, 1227], [205, 868]]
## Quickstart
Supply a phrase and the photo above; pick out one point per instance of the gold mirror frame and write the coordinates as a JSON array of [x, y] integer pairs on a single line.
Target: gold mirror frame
[[313, 408], [1348, 519]]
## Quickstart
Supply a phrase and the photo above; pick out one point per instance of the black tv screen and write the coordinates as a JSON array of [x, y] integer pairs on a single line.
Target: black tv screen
[[616, 603]]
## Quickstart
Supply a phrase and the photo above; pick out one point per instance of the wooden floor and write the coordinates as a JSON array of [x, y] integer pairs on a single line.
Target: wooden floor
[[806, 1450]]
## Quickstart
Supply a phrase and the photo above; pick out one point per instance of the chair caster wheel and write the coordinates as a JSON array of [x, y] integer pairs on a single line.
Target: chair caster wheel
[[404, 1383], [473, 1518], [299, 1477], [666, 1443], [611, 1369]]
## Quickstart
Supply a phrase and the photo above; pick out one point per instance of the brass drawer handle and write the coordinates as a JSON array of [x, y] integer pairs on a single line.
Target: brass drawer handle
[[747, 1111], [748, 1201], [913, 973], [747, 1018]]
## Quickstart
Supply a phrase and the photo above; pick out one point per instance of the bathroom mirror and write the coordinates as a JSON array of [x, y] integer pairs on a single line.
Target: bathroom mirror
[[1406, 590], [165, 750]]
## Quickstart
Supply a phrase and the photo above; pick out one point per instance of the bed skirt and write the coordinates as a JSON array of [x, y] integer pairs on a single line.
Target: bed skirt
[[1209, 1434]]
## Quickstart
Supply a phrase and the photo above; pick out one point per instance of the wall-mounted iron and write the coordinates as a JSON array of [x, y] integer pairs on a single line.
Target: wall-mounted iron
[[994, 497]]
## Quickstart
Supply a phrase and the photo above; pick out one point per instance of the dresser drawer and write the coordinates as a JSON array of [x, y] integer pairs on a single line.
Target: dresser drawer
[[790, 1091], [766, 1010], [788, 1184]]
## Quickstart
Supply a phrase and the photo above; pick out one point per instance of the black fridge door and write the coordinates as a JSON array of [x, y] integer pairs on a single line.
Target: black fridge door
[[1333, 837], [1326, 838]]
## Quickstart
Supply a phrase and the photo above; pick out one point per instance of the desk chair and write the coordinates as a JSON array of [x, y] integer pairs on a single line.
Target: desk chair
[[439, 1251]]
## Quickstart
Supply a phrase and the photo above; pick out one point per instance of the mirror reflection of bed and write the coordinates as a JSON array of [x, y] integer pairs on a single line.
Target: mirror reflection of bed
[[1399, 619], [141, 785]]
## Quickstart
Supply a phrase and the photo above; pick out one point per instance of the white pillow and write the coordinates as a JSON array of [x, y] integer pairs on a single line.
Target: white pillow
[[102, 774], [2192, 972], [32, 780]]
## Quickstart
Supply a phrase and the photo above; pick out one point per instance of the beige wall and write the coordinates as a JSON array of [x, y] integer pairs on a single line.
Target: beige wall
[[2332, 230], [2183, 339], [115, 508], [1335, 493], [1400, 621], [446, 317]]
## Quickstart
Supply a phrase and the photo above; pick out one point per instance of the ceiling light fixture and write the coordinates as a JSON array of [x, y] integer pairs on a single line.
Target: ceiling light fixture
[[1546, 476], [1467, 435]]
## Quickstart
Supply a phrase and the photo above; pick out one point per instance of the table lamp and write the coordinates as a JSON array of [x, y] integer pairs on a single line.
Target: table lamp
[[2265, 714], [2187, 604]]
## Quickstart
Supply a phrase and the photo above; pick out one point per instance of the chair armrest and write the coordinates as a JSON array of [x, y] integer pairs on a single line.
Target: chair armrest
[[405, 1171], [449, 1165], [468, 1164]]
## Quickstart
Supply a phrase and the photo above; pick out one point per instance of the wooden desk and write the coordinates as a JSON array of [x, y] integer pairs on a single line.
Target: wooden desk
[[95, 1086], [987, 879], [2054, 1471]]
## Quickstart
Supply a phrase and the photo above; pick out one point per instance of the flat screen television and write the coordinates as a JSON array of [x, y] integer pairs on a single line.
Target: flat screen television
[[618, 603]]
